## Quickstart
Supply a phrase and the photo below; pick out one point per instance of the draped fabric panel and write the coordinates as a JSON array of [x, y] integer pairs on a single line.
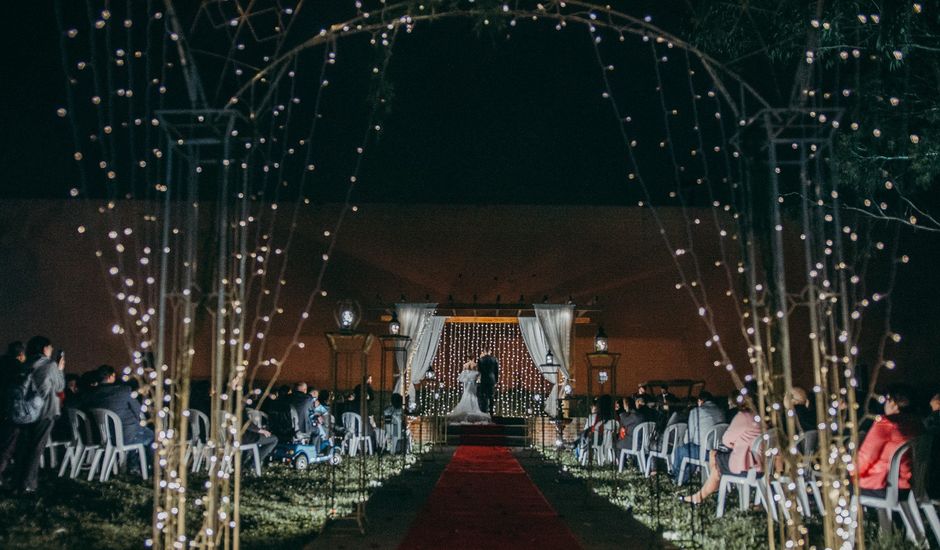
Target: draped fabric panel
[[537, 345], [425, 350], [556, 321], [419, 322]]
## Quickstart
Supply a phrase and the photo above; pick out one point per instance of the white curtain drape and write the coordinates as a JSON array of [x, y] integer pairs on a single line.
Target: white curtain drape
[[556, 321], [419, 322], [535, 342]]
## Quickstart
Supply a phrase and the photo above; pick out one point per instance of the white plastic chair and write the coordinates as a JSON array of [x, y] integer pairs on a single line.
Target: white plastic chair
[[199, 436], [355, 439], [82, 452], [245, 447], [672, 437], [53, 448], [709, 442], [393, 435], [115, 450], [891, 501], [603, 443], [805, 484], [639, 445], [754, 479]]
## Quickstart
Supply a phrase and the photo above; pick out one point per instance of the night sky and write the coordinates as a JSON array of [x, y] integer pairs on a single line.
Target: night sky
[[475, 117]]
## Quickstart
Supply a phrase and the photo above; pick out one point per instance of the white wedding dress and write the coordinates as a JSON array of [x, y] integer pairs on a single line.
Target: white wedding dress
[[467, 410]]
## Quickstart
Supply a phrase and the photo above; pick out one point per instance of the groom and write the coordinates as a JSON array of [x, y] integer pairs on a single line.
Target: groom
[[488, 367]]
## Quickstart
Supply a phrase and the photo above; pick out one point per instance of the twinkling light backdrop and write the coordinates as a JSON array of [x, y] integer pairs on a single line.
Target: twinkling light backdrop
[[521, 386]]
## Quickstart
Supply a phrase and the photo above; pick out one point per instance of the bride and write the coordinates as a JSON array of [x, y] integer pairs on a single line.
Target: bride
[[467, 410]]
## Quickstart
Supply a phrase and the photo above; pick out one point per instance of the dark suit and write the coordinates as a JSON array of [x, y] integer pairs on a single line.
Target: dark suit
[[117, 399], [488, 367], [302, 403]]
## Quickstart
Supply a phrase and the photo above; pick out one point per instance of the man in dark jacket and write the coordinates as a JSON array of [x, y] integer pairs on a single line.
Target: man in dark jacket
[[302, 403], [117, 398], [488, 366]]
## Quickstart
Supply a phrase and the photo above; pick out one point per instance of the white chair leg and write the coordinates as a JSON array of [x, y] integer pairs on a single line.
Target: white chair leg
[[930, 513], [803, 494], [257, 456], [817, 496], [110, 464], [682, 466], [143, 462], [623, 458], [68, 458], [912, 525], [722, 491], [95, 464], [744, 496]]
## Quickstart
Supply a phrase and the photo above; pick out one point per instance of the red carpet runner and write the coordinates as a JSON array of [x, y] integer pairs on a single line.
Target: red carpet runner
[[484, 499]]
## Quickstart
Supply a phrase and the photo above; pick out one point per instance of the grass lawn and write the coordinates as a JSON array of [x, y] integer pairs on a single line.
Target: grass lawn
[[283, 508], [655, 502]]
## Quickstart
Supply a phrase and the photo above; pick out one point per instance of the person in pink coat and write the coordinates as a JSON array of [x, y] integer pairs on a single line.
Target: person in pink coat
[[734, 456]]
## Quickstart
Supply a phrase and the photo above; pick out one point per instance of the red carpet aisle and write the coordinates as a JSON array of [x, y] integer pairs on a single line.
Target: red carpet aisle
[[485, 500]]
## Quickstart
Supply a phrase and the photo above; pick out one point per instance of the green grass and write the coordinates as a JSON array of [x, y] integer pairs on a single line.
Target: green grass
[[283, 508], [655, 503]]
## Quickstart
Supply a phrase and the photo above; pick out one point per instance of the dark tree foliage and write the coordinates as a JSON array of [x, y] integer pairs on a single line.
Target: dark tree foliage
[[879, 61]]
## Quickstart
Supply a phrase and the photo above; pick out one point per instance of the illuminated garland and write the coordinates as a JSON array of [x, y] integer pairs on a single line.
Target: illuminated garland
[[521, 386]]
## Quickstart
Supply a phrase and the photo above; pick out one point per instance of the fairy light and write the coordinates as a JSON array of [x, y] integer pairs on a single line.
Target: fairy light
[[519, 378], [129, 267]]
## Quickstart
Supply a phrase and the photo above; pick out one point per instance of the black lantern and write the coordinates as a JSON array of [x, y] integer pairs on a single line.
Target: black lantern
[[347, 314], [600, 341], [549, 358], [394, 326]]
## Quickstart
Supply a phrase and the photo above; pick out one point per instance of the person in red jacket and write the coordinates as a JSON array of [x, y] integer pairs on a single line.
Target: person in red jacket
[[891, 430]]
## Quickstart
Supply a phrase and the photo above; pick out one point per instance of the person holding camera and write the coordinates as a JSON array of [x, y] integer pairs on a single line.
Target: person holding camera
[[34, 406]]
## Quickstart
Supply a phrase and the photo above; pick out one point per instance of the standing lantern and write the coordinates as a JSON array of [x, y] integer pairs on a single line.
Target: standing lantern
[[604, 363], [394, 354], [350, 347], [600, 341], [347, 314], [394, 326]]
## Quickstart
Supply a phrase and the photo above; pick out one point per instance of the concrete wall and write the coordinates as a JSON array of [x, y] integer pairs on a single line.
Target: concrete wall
[[53, 284]]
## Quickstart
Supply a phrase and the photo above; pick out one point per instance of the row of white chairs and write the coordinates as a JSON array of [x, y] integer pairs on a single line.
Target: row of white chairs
[[917, 511], [99, 456]]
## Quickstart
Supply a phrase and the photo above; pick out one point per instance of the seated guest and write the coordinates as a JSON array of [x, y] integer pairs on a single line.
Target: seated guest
[[891, 430], [266, 442], [394, 416], [118, 399], [72, 390], [670, 413], [734, 456], [805, 417], [303, 404], [631, 416], [319, 403], [62, 431], [701, 420], [601, 412]]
